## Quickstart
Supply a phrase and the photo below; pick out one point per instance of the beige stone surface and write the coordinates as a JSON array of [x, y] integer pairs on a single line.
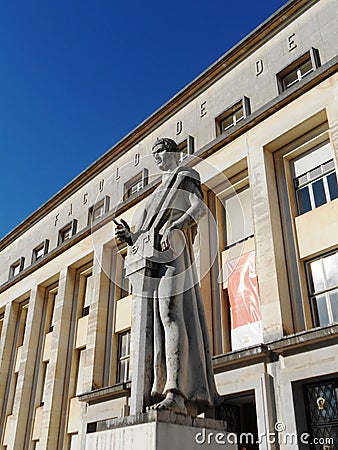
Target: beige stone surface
[[9, 431], [317, 230], [123, 314], [47, 346], [37, 423], [18, 359], [106, 410], [74, 416], [81, 332], [158, 436]]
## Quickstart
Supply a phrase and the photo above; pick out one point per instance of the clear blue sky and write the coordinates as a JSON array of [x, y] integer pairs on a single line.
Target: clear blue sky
[[76, 76]]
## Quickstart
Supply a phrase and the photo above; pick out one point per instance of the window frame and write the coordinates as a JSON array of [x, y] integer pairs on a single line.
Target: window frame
[[103, 203], [187, 144], [71, 226], [141, 177], [313, 294], [43, 246], [234, 186], [123, 358], [18, 263], [310, 181], [244, 104], [120, 276], [84, 276], [311, 55], [2, 321]]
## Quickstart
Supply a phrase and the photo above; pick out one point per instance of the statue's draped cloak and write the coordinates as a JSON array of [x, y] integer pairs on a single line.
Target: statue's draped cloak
[[185, 368]]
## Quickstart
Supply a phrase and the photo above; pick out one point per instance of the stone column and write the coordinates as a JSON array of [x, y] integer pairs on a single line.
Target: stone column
[[139, 268], [94, 352], [24, 387], [141, 341], [51, 429], [7, 356], [266, 411], [97, 321], [271, 268]]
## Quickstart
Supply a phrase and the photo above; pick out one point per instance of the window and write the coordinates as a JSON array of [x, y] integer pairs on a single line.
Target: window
[[186, 147], [2, 317], [50, 317], [98, 210], [232, 116], [67, 232], [314, 178], [298, 70], [40, 251], [136, 184], [323, 287], [123, 283], [87, 294], [239, 221], [123, 357], [16, 267]]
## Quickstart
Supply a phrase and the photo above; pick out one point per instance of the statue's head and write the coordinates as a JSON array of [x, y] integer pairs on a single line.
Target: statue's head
[[166, 153]]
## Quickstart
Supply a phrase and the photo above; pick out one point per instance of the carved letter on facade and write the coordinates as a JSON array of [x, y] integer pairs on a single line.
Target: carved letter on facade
[[137, 159], [101, 184], [179, 127], [259, 67], [70, 212], [85, 198], [291, 42], [56, 219], [203, 110], [117, 175]]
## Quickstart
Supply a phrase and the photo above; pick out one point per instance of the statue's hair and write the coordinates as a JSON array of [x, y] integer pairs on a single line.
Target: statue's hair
[[169, 144]]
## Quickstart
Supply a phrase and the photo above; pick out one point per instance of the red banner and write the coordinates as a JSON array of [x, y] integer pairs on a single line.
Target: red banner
[[244, 301]]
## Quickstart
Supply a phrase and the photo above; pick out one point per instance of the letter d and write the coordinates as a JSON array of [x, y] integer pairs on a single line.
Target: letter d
[[197, 437]]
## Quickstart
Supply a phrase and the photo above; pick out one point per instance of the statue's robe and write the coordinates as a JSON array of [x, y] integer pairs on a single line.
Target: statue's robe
[[183, 364]]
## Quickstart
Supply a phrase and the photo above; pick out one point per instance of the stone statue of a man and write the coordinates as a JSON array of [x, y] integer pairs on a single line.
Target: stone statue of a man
[[183, 375]]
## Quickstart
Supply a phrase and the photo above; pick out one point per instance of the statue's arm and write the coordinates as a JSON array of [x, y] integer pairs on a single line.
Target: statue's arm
[[192, 215]]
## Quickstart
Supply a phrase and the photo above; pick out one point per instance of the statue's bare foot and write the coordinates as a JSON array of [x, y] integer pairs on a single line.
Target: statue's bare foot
[[172, 402]]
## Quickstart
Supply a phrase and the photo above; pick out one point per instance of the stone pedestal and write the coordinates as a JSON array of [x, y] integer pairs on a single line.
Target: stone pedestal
[[139, 267], [158, 430]]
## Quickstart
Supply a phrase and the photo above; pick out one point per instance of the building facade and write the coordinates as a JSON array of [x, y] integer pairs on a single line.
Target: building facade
[[261, 127]]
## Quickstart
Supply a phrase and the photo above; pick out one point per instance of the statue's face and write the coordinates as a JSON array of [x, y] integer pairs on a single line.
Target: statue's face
[[165, 160]]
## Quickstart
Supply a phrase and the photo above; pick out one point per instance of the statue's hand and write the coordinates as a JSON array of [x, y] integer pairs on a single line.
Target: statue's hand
[[165, 239], [123, 232]]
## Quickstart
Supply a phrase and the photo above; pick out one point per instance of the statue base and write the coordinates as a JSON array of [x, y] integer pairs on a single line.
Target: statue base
[[159, 430]]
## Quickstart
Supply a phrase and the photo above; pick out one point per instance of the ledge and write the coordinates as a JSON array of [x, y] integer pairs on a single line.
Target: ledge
[[269, 352], [239, 358], [106, 393], [157, 416], [305, 340]]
